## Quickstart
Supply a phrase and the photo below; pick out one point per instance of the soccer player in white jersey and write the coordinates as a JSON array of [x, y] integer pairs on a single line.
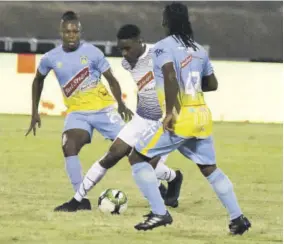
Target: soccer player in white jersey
[[78, 67], [182, 71], [138, 61]]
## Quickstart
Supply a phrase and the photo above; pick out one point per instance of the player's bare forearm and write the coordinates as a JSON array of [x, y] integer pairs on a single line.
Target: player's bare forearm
[[171, 87], [116, 91], [209, 83], [113, 85], [171, 92], [37, 88]]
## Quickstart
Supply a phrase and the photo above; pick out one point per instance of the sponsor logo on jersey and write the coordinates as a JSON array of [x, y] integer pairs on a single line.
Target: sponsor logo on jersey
[[186, 61], [158, 52], [75, 82], [145, 80]]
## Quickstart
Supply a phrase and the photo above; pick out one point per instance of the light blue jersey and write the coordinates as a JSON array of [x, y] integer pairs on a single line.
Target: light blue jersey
[[79, 76], [193, 121], [190, 67], [90, 106]]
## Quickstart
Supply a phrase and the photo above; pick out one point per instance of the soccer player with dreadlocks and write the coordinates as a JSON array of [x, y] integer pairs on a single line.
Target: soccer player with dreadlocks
[[183, 71]]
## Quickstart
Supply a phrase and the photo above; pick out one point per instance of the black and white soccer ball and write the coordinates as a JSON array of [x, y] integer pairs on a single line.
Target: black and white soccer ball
[[112, 201]]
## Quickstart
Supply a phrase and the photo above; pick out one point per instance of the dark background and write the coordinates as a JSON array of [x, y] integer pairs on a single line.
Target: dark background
[[233, 30]]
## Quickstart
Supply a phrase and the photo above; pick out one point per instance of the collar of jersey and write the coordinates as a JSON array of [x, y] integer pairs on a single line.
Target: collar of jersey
[[145, 52]]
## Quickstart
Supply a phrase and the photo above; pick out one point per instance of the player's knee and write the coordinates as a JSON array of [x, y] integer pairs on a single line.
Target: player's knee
[[69, 147], [207, 170], [135, 157]]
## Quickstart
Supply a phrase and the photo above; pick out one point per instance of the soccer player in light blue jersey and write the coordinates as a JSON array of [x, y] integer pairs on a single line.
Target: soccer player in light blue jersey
[[182, 72], [78, 67]]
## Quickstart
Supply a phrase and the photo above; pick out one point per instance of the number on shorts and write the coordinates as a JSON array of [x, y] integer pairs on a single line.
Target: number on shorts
[[201, 118], [114, 117]]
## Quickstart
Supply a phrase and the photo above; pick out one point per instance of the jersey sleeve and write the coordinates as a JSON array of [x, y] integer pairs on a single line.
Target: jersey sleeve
[[100, 61], [207, 66], [44, 65], [161, 55], [124, 64]]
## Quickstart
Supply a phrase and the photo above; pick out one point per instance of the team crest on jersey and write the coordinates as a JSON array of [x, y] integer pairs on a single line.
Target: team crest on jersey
[[59, 65], [84, 60]]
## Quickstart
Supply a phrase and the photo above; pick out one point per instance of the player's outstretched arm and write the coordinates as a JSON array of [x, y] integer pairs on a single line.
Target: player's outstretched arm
[[209, 83], [125, 113], [36, 93]]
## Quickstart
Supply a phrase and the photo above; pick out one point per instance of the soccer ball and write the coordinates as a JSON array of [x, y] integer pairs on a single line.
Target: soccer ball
[[112, 201]]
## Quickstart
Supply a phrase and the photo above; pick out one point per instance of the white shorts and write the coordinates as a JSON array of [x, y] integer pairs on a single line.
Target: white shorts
[[134, 129]]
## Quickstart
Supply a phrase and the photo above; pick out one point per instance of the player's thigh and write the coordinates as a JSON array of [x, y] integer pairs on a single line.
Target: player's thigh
[[200, 151], [108, 123], [76, 125], [133, 130], [157, 142], [76, 133]]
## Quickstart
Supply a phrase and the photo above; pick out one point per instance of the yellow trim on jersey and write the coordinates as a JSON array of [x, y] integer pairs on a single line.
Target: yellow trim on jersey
[[190, 100], [90, 99], [153, 141]]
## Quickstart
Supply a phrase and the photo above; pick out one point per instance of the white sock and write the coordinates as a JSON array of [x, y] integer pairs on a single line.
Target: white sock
[[163, 172], [93, 176]]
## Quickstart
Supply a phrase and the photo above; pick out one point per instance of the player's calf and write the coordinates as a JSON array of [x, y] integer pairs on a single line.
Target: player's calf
[[72, 142]]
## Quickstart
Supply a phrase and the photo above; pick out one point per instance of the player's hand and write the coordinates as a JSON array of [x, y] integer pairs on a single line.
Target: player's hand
[[168, 122], [34, 121], [125, 113]]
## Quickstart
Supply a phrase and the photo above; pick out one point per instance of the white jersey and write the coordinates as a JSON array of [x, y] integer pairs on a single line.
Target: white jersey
[[148, 106]]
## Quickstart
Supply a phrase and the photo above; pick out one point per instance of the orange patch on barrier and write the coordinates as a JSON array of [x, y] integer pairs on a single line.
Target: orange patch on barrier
[[26, 63], [47, 105], [63, 113]]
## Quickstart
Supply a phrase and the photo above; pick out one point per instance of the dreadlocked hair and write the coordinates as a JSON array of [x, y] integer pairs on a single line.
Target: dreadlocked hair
[[176, 15]]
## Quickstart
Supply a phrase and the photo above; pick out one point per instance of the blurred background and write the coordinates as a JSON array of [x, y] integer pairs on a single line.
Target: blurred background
[[244, 41], [232, 30]]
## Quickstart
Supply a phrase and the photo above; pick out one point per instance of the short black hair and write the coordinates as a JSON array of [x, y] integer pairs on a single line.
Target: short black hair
[[177, 20], [69, 16], [128, 31]]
